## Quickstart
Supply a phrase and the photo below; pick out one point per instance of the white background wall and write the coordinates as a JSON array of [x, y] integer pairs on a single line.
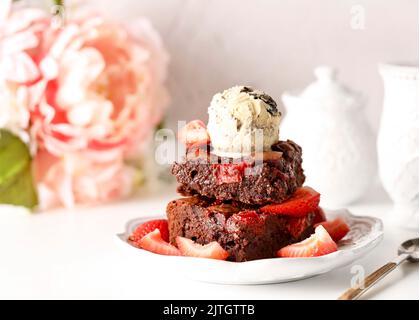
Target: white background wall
[[274, 44]]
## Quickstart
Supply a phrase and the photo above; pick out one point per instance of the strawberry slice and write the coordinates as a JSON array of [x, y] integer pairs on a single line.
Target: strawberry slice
[[320, 216], [212, 250], [230, 172], [249, 217], [303, 201], [148, 227], [153, 242], [194, 133], [319, 244], [337, 228]]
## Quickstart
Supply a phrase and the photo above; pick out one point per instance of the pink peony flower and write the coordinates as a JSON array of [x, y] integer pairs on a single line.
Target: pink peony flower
[[90, 94], [103, 96]]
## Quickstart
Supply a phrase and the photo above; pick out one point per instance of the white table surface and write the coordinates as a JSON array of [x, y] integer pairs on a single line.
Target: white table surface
[[73, 254]]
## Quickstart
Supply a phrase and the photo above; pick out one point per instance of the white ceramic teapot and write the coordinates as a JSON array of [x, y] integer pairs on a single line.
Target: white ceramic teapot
[[327, 120]]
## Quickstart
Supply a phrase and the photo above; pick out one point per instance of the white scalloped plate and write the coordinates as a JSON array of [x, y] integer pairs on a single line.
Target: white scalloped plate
[[365, 234]]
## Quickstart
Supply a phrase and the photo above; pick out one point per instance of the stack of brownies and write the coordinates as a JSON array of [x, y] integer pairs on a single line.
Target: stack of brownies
[[234, 192]]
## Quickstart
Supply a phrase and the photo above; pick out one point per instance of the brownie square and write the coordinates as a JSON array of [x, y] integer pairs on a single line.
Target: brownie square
[[272, 180], [245, 232]]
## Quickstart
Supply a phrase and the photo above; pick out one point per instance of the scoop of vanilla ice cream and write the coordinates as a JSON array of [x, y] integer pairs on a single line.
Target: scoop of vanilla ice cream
[[241, 121]]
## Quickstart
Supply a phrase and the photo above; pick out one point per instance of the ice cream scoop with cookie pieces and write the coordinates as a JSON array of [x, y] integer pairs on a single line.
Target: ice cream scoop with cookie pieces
[[242, 120]]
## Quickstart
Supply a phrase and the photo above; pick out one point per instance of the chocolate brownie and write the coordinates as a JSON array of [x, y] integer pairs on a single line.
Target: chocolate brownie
[[272, 179], [242, 230]]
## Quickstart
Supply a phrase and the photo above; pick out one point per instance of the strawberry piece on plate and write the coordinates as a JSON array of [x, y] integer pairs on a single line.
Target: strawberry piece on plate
[[212, 250], [194, 133], [153, 242], [148, 227], [319, 244], [337, 228], [302, 202], [320, 216]]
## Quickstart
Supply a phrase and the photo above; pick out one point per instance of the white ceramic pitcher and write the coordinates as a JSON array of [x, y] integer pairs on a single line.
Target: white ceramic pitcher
[[328, 121], [398, 141]]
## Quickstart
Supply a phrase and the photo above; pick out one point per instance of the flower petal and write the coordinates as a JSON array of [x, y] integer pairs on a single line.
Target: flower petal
[[19, 68], [18, 42], [22, 19], [5, 6]]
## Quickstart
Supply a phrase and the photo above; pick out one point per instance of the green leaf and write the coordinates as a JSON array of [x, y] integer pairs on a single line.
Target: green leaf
[[16, 183]]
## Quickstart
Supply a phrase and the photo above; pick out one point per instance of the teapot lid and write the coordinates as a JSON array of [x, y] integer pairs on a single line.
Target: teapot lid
[[328, 91]]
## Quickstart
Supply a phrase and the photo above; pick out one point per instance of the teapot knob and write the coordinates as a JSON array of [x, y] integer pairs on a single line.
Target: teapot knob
[[325, 73]]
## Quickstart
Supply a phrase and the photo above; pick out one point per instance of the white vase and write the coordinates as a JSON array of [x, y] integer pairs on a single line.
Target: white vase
[[398, 141], [339, 155]]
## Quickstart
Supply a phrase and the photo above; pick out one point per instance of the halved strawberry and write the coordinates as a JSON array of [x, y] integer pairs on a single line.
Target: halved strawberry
[[148, 227], [303, 201], [212, 250], [337, 228], [153, 242], [319, 244], [194, 133], [320, 216]]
